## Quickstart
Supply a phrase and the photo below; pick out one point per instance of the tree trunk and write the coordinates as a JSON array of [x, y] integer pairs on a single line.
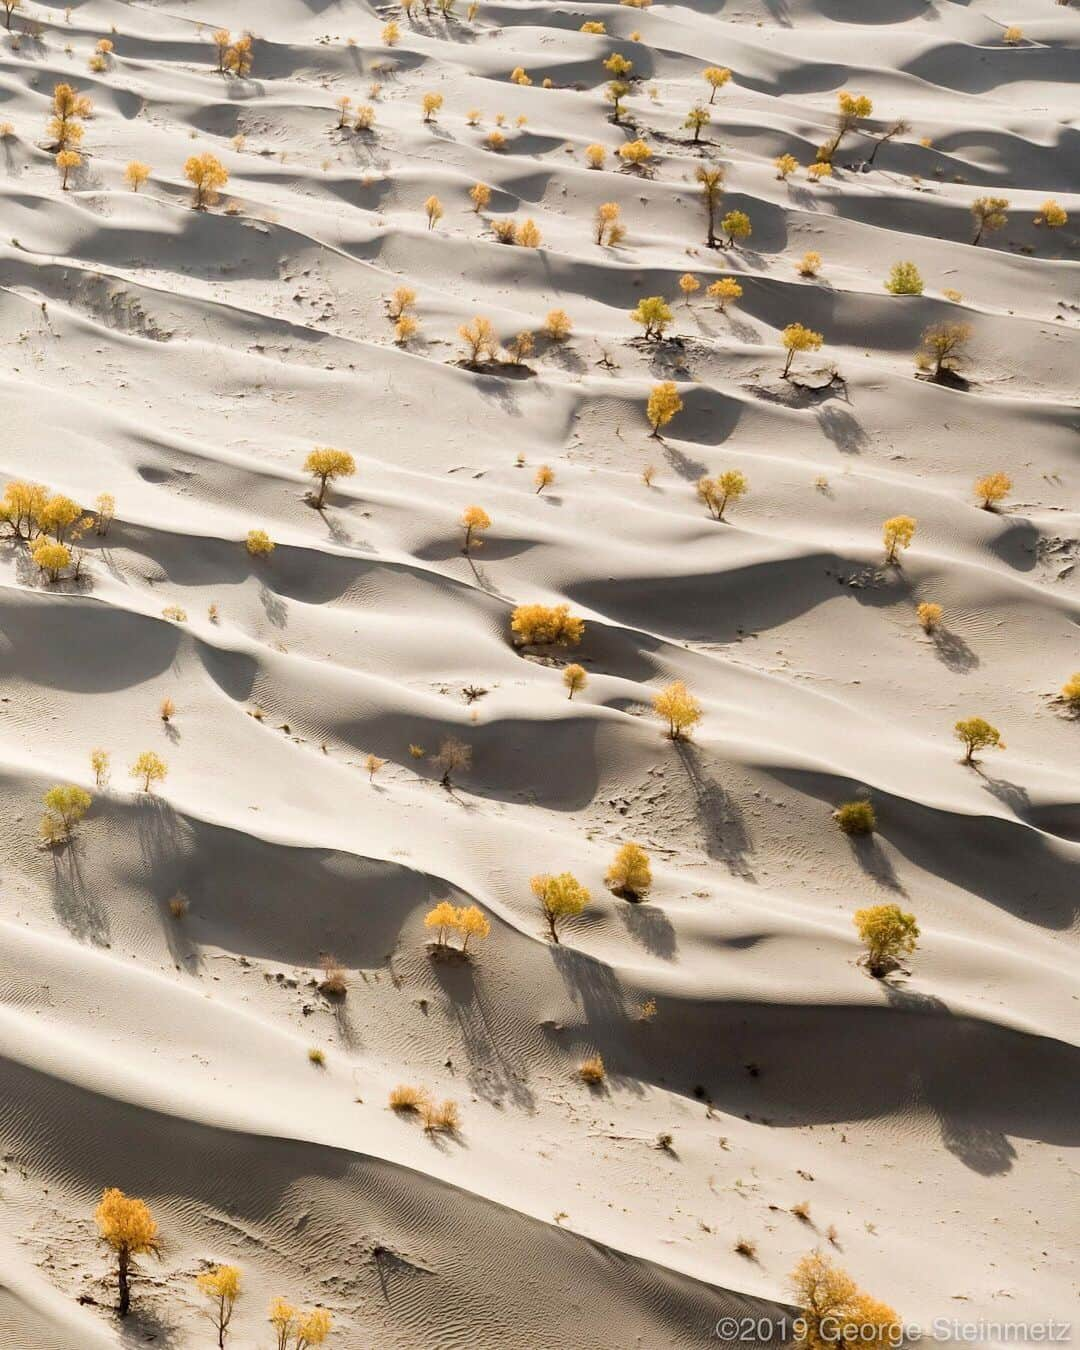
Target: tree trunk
[[787, 363], [122, 1281]]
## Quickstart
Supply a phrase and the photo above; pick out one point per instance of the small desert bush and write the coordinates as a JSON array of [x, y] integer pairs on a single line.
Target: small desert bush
[[592, 1071], [441, 1117], [405, 1098], [546, 625], [856, 818]]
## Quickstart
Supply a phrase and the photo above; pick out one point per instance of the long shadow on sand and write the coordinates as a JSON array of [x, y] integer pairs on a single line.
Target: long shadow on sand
[[722, 821]]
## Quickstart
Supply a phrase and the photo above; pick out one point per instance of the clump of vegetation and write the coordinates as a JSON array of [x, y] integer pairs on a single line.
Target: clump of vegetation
[[546, 625], [712, 192], [592, 1071], [837, 1312], [654, 314], [976, 733], [561, 897], [557, 327], [474, 521], [809, 265], [716, 77], [334, 983], [786, 165], [904, 279], [717, 492], [405, 1098], [630, 874], [221, 1285], [468, 921], [943, 348], [723, 290], [1070, 691], [663, 405], [797, 338], [679, 708], [295, 1328], [888, 933], [327, 465], [259, 544], [896, 533], [440, 1117], [575, 678], [736, 225], [611, 231], [317, 1057], [480, 341], [207, 176], [856, 817], [851, 108], [150, 768], [994, 488], [990, 214], [65, 806], [452, 757], [929, 614], [1052, 215]]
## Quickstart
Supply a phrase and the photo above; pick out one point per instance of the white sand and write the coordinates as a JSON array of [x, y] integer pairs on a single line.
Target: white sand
[[187, 362]]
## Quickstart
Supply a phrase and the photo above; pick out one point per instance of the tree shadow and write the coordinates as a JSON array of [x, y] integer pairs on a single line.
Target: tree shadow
[[388, 1264], [842, 428], [491, 1075], [684, 466], [954, 652], [273, 606], [979, 1145], [652, 928], [1016, 798], [595, 989], [146, 1325], [74, 904], [722, 820], [875, 862]]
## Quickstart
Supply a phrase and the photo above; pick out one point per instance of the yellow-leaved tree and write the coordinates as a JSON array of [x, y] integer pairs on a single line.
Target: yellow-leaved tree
[[836, 1312], [207, 176], [896, 533], [630, 874], [221, 1285], [797, 338], [561, 897], [976, 733], [151, 768], [888, 933], [994, 488], [327, 464], [664, 402], [679, 708], [475, 520], [546, 625], [128, 1227]]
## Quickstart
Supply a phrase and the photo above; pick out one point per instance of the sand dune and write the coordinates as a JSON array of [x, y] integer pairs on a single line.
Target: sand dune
[[160, 970]]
